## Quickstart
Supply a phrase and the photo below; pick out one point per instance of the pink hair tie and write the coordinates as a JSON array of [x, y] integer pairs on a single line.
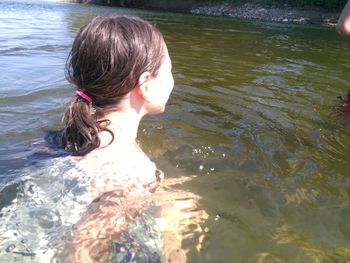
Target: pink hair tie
[[81, 94]]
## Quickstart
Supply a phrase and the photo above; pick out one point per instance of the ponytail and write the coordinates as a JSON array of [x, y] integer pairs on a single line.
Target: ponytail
[[81, 127]]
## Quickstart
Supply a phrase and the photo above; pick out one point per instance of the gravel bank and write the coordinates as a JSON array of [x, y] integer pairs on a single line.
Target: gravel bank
[[284, 15]]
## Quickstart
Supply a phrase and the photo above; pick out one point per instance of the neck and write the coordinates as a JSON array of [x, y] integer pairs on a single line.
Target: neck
[[124, 121], [124, 125]]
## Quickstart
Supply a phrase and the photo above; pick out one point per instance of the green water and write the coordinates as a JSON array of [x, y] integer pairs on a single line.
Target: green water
[[252, 119]]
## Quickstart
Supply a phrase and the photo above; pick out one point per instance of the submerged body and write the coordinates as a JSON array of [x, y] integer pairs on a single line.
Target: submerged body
[[82, 213], [62, 215]]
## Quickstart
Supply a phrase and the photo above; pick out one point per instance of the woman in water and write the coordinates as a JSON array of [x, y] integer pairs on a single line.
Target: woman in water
[[121, 70], [99, 205]]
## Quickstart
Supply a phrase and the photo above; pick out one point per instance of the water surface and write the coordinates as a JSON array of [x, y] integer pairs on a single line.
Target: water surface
[[252, 120]]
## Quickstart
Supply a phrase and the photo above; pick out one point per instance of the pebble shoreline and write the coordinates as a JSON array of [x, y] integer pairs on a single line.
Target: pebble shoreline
[[283, 15]]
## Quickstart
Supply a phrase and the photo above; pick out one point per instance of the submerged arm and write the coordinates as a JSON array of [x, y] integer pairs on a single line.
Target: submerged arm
[[106, 220]]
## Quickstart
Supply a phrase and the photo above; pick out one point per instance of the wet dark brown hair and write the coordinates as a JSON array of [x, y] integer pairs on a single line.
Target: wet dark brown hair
[[108, 56]]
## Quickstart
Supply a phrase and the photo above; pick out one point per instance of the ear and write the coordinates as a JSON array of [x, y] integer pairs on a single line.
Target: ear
[[142, 88]]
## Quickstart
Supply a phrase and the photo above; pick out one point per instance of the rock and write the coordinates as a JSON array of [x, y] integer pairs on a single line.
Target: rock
[[285, 14]]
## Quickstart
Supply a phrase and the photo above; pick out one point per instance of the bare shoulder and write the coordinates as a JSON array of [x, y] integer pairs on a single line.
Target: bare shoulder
[[112, 168]]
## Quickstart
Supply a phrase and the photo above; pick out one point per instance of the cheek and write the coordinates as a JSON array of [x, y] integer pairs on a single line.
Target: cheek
[[169, 84], [164, 87], [164, 90], [172, 82], [161, 88]]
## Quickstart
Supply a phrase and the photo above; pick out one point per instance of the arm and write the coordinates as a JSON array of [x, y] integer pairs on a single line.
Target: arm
[[106, 220], [343, 25]]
